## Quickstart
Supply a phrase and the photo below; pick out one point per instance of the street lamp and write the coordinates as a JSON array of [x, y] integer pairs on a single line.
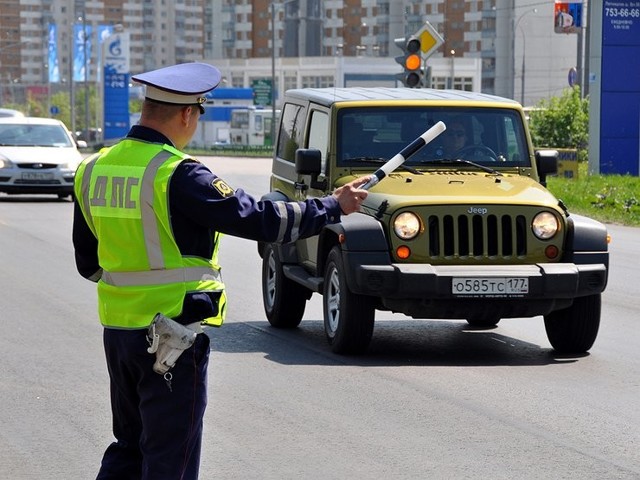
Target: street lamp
[[524, 52], [273, 71], [85, 59], [453, 71]]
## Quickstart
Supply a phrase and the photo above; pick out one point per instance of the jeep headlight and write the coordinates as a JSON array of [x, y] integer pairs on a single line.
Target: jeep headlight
[[545, 225], [406, 225]]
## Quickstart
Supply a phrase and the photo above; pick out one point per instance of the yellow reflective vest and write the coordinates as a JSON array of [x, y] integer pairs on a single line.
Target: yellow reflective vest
[[122, 191]]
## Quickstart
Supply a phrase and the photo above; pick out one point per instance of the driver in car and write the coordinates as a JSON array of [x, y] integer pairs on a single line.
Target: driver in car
[[454, 139], [457, 143]]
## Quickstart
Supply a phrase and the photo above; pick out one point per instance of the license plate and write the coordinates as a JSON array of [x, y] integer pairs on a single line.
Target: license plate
[[490, 286], [37, 176]]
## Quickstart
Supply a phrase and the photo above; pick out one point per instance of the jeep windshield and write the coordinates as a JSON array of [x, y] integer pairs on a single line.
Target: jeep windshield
[[490, 137]]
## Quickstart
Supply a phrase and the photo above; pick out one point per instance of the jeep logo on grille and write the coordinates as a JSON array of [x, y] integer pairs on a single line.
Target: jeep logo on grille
[[477, 211]]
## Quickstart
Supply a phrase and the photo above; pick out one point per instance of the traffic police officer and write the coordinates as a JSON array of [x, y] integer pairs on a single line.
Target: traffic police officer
[[147, 225]]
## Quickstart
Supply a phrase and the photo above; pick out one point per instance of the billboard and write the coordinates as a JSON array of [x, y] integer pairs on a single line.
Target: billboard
[[81, 52], [115, 54], [52, 50], [568, 17], [620, 88]]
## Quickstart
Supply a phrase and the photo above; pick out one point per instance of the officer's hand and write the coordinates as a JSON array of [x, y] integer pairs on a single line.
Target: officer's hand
[[350, 196]]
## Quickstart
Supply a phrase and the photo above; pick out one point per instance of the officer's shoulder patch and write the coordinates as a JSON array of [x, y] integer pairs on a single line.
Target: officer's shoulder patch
[[223, 189]]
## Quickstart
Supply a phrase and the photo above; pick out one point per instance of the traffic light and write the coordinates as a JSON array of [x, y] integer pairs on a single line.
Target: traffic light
[[411, 62]]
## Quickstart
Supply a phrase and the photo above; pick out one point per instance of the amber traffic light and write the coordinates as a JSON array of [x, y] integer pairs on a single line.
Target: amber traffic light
[[411, 61]]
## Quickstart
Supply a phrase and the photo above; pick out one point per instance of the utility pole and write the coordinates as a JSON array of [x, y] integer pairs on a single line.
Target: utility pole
[[86, 76]]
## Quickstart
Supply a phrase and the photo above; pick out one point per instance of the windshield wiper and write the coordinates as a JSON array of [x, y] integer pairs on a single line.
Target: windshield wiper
[[455, 161], [379, 161]]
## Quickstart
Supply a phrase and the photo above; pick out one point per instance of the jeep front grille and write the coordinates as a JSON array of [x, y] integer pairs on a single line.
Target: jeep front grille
[[481, 236]]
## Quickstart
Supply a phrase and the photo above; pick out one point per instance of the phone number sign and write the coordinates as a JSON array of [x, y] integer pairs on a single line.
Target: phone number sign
[[620, 90]]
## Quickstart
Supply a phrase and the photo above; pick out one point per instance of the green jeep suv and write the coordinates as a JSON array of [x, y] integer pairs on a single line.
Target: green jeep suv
[[464, 229]]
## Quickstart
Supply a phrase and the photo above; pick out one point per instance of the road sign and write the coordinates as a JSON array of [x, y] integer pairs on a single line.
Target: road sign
[[568, 17], [430, 39], [261, 91], [572, 77]]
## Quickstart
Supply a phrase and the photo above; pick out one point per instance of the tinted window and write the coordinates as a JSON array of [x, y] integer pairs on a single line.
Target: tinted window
[[493, 137]]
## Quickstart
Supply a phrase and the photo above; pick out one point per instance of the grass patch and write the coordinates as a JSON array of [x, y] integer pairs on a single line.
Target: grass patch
[[607, 198]]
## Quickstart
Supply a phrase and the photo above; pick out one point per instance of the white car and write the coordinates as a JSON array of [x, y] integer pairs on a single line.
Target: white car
[[37, 156], [8, 112]]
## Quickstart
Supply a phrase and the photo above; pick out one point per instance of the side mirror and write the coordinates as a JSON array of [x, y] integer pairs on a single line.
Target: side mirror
[[309, 162], [547, 164], [81, 144]]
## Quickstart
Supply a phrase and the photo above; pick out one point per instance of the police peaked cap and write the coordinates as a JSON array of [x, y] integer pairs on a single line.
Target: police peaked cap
[[183, 84]]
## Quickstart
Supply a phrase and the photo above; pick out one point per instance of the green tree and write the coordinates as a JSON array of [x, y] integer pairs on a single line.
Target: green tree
[[38, 107], [562, 122]]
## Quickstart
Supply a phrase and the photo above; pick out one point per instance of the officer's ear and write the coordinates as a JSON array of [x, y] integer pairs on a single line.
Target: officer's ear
[[187, 114]]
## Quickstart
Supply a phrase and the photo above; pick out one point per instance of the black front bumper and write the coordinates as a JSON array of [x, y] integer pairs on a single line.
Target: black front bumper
[[550, 280]]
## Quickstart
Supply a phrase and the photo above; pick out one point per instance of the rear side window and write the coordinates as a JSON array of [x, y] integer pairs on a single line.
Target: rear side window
[[291, 131]]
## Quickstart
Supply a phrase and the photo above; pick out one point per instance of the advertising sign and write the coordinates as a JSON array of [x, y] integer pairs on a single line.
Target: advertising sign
[[104, 32], [568, 16], [52, 49], [620, 89], [81, 52], [115, 53]]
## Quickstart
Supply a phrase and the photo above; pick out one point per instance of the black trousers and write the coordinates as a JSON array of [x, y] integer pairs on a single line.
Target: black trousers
[[158, 429]]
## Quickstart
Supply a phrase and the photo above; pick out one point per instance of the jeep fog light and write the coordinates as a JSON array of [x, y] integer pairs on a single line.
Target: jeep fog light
[[544, 225], [406, 225]]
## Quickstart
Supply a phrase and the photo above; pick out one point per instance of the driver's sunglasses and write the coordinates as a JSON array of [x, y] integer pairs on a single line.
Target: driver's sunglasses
[[457, 133]]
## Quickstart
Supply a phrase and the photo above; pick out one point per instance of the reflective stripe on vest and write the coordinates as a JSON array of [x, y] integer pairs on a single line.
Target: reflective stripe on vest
[[124, 296], [161, 277]]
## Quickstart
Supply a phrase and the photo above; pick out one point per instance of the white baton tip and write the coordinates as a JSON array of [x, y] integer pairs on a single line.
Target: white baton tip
[[434, 131]]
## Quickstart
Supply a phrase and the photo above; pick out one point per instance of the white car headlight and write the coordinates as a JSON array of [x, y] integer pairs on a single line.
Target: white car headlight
[[406, 225], [5, 163], [545, 225]]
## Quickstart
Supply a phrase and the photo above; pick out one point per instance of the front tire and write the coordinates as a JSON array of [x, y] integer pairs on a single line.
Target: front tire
[[348, 318], [574, 329], [284, 300]]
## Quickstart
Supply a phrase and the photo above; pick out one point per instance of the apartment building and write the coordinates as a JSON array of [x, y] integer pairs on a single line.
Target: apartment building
[[502, 36], [162, 32]]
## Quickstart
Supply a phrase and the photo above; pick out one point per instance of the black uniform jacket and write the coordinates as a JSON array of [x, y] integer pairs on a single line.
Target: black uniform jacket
[[201, 203]]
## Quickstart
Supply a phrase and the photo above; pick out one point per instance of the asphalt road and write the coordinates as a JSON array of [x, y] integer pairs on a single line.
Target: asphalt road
[[430, 400]]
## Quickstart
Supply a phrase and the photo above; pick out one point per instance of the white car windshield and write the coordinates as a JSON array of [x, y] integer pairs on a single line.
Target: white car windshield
[[30, 135]]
